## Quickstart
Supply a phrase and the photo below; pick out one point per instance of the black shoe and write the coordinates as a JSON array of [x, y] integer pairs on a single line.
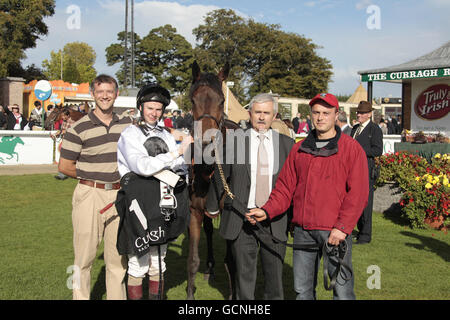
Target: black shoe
[[359, 241]]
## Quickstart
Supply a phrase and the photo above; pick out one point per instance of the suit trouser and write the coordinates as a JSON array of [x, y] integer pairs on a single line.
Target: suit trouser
[[365, 221], [245, 251], [89, 227]]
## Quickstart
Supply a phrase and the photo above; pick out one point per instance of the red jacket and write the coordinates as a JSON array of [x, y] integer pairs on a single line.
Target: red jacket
[[329, 187]]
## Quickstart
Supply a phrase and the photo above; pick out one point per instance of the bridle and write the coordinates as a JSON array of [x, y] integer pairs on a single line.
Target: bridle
[[219, 122]]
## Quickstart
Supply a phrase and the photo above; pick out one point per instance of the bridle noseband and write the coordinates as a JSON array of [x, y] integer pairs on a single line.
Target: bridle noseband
[[219, 122]]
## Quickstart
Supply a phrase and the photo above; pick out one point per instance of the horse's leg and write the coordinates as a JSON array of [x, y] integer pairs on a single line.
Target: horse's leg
[[230, 268], [193, 262], [210, 262]]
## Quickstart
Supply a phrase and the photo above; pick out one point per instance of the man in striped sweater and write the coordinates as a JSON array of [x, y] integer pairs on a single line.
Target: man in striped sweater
[[89, 154]]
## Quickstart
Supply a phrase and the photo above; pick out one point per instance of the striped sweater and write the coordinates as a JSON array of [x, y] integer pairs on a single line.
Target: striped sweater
[[93, 146]]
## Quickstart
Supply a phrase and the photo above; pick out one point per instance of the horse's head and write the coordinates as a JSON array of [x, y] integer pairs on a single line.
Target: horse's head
[[207, 99], [54, 116]]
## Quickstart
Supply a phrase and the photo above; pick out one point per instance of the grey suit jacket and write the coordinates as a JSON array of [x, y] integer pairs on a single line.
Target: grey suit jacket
[[238, 177]]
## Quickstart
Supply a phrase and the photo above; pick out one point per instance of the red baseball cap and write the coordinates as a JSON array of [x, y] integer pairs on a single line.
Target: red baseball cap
[[327, 97]]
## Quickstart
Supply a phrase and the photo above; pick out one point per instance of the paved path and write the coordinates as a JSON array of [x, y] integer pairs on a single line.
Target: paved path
[[22, 169]]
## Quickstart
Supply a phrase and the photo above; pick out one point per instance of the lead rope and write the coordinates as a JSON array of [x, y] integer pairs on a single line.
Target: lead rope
[[339, 251]]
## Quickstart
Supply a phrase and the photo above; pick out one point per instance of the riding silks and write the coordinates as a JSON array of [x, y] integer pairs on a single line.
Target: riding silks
[[145, 220]]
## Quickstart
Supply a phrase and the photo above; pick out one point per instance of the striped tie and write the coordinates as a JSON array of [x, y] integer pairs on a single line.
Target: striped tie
[[358, 131]]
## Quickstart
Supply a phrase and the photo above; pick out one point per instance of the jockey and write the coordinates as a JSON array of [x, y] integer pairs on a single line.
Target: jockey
[[152, 168]]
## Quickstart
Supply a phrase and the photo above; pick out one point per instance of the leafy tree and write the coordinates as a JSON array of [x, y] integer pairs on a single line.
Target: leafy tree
[[224, 38], [115, 53], [263, 58], [78, 59], [166, 57], [21, 24]]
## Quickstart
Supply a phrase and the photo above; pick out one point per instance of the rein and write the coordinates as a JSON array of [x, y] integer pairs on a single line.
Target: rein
[[339, 251]]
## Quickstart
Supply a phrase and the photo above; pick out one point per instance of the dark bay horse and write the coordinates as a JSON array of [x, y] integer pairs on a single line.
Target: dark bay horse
[[208, 112], [57, 113]]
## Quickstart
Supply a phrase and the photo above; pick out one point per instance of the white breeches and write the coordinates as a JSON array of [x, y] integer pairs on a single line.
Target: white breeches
[[148, 263]]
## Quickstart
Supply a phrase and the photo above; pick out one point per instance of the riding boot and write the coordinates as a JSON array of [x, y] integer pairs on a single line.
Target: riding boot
[[134, 288], [153, 289]]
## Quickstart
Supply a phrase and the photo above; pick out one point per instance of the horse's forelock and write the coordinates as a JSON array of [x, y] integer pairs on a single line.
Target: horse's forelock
[[207, 79]]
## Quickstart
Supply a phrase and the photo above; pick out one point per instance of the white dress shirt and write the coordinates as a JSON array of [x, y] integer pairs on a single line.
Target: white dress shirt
[[133, 156], [254, 144]]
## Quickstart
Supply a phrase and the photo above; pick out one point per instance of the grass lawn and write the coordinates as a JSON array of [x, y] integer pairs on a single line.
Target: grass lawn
[[36, 253]]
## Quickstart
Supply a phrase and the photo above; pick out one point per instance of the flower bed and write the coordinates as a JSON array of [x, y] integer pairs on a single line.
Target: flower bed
[[425, 186]]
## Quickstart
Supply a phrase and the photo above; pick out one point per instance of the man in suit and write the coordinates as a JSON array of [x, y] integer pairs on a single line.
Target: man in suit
[[259, 155], [296, 121], [370, 137], [342, 123]]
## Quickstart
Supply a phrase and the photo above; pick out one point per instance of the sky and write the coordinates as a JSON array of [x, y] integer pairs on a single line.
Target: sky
[[354, 35]]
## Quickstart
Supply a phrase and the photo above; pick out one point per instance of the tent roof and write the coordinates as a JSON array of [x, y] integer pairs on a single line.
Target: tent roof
[[360, 94], [235, 110], [439, 58]]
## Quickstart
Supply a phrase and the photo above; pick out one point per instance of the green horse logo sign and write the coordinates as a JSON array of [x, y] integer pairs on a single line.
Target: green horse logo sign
[[7, 146]]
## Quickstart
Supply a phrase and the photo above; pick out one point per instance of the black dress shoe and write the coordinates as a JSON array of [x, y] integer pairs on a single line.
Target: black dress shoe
[[361, 242]]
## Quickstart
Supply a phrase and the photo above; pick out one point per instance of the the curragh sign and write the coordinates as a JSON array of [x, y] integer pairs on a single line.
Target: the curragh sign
[[410, 74]]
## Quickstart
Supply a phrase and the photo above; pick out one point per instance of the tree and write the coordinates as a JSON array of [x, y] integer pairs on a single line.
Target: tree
[[223, 38], [115, 53], [162, 56], [263, 58], [21, 24], [77, 63], [166, 57]]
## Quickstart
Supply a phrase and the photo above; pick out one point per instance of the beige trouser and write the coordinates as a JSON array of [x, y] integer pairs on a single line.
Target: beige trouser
[[89, 227]]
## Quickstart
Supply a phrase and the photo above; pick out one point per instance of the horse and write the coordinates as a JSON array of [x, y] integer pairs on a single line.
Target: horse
[[208, 110], [57, 113], [8, 145]]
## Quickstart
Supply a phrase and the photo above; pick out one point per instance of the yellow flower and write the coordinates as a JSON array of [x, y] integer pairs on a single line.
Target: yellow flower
[[445, 182], [430, 178], [437, 155], [417, 178], [428, 185]]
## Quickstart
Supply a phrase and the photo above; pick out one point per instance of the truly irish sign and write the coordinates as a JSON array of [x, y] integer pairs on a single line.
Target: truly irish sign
[[433, 102], [410, 74]]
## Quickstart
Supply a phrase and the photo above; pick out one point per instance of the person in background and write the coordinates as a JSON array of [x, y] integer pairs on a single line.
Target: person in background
[[342, 123], [383, 126], [296, 121], [370, 137], [303, 126], [167, 119], [36, 115], [14, 119], [309, 122], [3, 117], [66, 123], [291, 127]]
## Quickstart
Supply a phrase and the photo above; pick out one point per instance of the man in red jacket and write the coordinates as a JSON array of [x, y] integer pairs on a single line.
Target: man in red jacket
[[326, 178]]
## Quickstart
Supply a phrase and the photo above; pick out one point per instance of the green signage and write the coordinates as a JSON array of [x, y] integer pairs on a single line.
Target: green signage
[[401, 75]]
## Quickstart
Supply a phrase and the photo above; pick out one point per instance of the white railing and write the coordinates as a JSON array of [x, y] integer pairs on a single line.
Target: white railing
[[27, 147]]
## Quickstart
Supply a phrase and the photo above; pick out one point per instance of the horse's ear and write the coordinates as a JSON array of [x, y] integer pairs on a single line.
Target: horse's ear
[[223, 74], [195, 71]]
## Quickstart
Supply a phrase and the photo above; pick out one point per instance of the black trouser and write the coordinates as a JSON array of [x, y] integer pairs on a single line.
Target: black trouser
[[246, 247], [365, 221]]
